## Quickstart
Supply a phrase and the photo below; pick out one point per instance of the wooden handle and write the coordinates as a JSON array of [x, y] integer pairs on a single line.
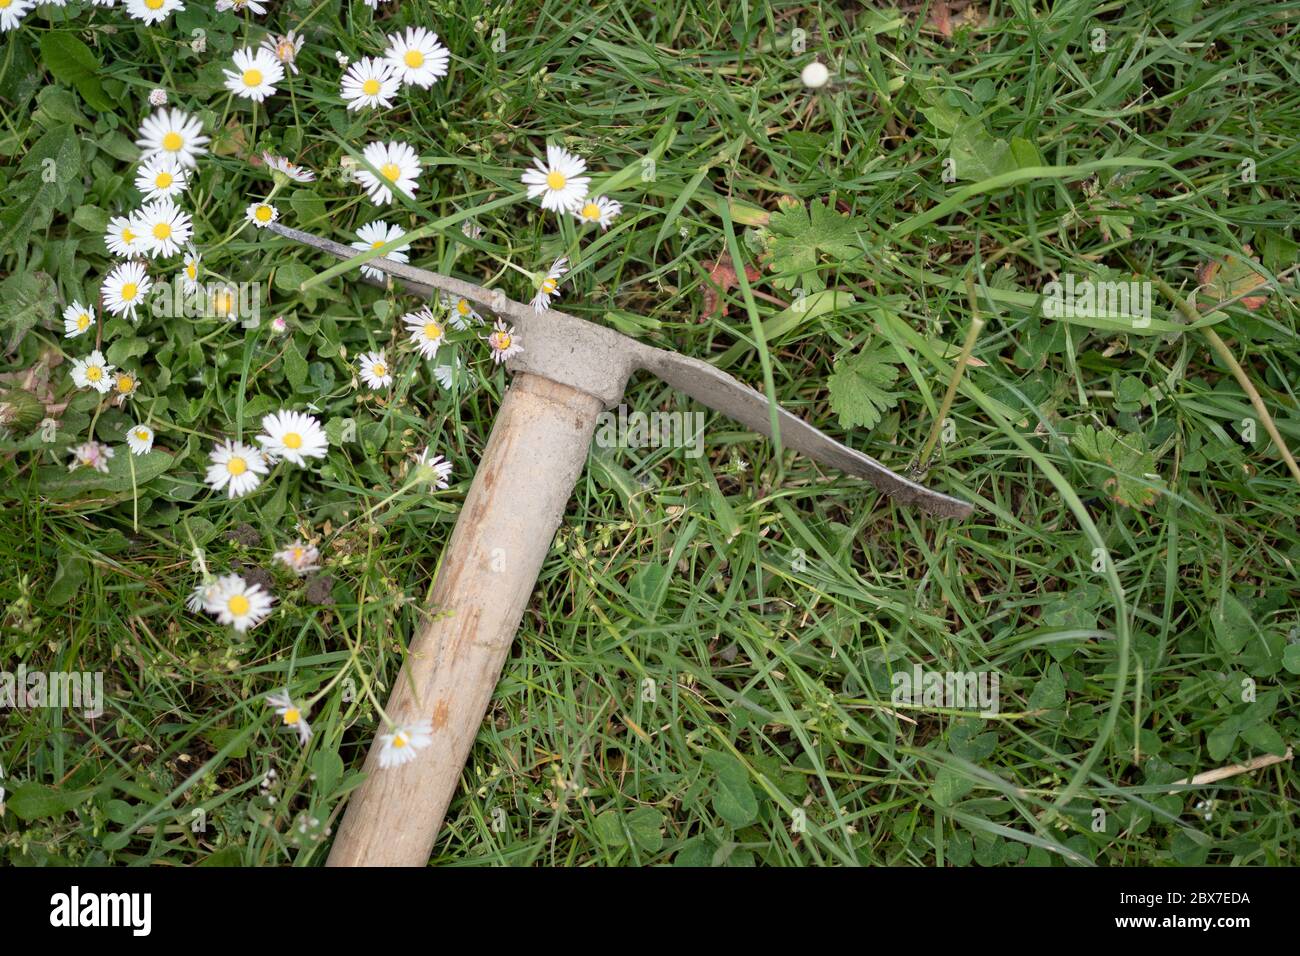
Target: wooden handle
[[537, 449]]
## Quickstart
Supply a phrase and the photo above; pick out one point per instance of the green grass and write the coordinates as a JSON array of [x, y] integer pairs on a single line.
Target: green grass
[[765, 600]]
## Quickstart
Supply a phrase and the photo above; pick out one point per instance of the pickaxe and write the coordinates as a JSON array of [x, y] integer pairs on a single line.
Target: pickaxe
[[568, 373]]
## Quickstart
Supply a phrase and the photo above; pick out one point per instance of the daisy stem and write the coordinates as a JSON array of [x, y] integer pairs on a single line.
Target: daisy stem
[[135, 495]]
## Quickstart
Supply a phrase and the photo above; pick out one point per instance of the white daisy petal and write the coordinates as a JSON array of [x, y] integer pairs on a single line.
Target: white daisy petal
[[255, 74], [236, 467], [293, 436], [417, 57], [398, 165]]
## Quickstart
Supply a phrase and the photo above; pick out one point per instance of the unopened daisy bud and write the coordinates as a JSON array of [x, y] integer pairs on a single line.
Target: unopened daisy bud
[[815, 75], [158, 97], [341, 58], [279, 326], [20, 410]]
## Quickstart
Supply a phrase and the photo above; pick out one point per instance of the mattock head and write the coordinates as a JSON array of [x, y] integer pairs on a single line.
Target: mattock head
[[599, 361]]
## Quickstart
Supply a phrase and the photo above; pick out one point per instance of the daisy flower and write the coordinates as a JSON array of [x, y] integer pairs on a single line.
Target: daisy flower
[[123, 237], [166, 227], [255, 74], [241, 5], [124, 288], [417, 57], [398, 166], [12, 13], [173, 133], [200, 596], [370, 82], [76, 320], [294, 437], [558, 181], [373, 235], [236, 467], [292, 715], [278, 164], [503, 342], [426, 331], [223, 302], [139, 438], [261, 214], [446, 374], [299, 558], [152, 11], [285, 49], [234, 601], [399, 747], [600, 210], [341, 58], [190, 273], [158, 97], [375, 370], [548, 287], [93, 372], [161, 178], [90, 455], [125, 385], [460, 312], [438, 469]]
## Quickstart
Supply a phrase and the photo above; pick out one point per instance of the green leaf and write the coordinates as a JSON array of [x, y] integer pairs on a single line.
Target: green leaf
[[950, 786], [1233, 625], [55, 481], [640, 827], [734, 799], [71, 575], [70, 60], [1291, 658], [1264, 737], [859, 388], [1221, 738], [34, 801], [802, 235], [1131, 480], [47, 171], [295, 366], [1049, 692], [27, 299]]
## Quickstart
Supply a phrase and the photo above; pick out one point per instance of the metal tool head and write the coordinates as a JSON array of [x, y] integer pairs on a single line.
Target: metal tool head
[[599, 361]]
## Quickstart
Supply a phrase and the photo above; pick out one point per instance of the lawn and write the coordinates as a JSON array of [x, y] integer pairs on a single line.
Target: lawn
[[903, 251]]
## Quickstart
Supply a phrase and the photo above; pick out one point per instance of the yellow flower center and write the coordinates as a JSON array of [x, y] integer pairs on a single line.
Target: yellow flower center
[[548, 285], [501, 341], [125, 383], [292, 440], [237, 605], [399, 740], [376, 244], [128, 291], [127, 235], [370, 87], [591, 211], [172, 142], [286, 50], [223, 302], [556, 180], [153, 4], [83, 322], [391, 171], [94, 373], [4, 4], [192, 270], [252, 77], [262, 213], [142, 434], [414, 59], [378, 370], [291, 716], [236, 466], [462, 307], [162, 230], [432, 331], [164, 180], [297, 554]]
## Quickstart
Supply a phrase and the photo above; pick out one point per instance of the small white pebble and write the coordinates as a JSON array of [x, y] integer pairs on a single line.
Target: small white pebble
[[815, 75]]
